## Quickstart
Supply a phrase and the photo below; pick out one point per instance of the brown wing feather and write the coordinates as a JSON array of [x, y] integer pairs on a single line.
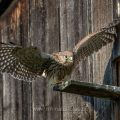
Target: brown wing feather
[[29, 63], [93, 42], [22, 63]]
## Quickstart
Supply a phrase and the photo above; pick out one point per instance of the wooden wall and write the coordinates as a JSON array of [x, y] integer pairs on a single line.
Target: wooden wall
[[57, 25]]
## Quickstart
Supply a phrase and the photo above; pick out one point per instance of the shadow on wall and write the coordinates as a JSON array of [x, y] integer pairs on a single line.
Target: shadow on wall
[[103, 107]]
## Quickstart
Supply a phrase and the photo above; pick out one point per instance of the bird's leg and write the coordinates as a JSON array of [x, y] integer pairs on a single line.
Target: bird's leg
[[62, 82], [67, 77], [57, 83]]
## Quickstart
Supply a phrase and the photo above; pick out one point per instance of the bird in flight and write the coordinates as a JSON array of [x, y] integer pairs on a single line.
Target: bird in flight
[[27, 63]]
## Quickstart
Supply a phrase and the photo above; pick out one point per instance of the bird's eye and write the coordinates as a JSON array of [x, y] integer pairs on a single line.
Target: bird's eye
[[65, 57], [71, 58], [68, 58]]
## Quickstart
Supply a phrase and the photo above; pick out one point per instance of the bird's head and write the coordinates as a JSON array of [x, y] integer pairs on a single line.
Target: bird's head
[[63, 57]]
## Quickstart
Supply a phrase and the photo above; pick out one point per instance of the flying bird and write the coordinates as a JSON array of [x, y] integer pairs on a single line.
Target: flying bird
[[27, 63]]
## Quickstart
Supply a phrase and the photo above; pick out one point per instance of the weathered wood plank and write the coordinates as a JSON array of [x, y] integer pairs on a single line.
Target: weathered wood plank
[[116, 64], [1, 97], [89, 89], [52, 44], [102, 14], [37, 16], [73, 19], [10, 86], [27, 110], [1, 86], [38, 99], [6, 87], [12, 92]]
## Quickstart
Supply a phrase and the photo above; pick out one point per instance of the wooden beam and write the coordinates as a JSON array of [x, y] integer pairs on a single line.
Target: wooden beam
[[89, 89], [6, 6]]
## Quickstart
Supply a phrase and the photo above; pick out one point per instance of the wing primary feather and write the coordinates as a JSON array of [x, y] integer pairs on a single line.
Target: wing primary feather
[[13, 60], [96, 41]]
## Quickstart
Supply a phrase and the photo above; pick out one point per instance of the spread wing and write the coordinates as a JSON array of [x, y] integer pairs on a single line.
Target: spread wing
[[95, 41], [29, 63], [22, 63]]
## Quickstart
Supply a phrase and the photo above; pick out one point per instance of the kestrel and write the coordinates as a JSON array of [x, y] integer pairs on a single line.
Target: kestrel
[[26, 63]]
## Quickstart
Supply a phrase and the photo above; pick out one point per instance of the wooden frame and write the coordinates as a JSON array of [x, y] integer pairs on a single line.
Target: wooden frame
[[89, 89]]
